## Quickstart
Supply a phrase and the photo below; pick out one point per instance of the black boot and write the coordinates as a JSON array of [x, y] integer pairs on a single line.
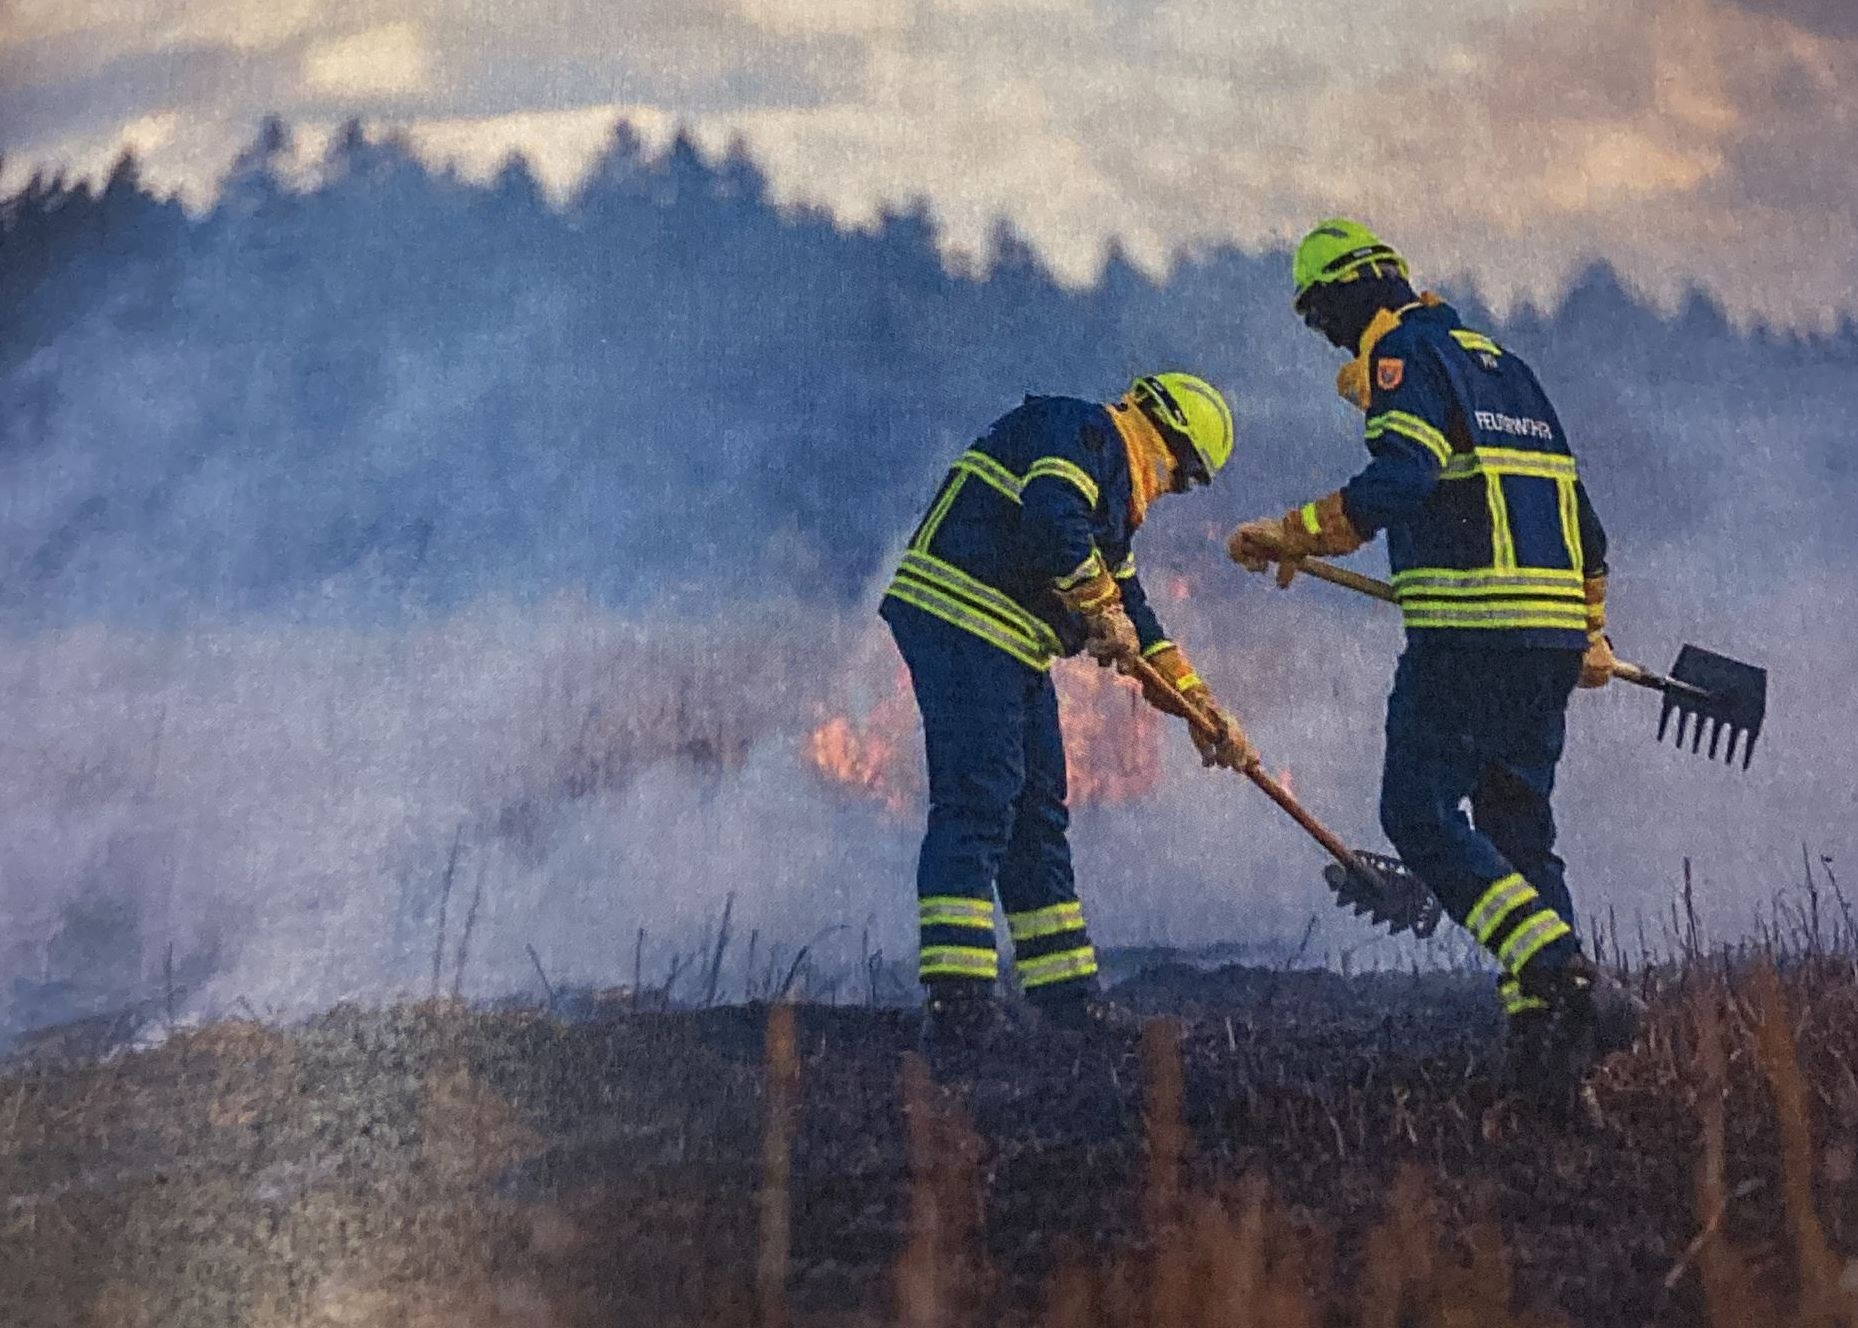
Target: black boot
[[1078, 1006], [1619, 1015], [962, 1024], [1550, 1050]]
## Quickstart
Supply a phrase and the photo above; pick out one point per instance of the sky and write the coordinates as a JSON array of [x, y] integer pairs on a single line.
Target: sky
[[1511, 141]]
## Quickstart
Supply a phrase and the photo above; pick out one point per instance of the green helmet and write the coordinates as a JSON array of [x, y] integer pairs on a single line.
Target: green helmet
[[1338, 250], [1192, 417]]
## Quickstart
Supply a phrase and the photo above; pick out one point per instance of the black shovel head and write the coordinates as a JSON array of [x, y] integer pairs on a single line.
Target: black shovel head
[[1736, 704], [1385, 891]]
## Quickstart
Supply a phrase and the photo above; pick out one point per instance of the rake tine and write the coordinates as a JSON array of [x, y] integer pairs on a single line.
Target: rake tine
[[1664, 717], [1716, 733], [1696, 735], [1748, 752]]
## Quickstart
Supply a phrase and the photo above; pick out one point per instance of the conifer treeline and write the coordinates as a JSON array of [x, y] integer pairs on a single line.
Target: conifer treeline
[[398, 386]]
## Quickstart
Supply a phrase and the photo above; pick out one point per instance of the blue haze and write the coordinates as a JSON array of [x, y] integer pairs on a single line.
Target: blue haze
[[442, 480]]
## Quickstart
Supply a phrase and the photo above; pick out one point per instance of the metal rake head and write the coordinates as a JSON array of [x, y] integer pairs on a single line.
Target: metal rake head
[[1728, 695], [1387, 892]]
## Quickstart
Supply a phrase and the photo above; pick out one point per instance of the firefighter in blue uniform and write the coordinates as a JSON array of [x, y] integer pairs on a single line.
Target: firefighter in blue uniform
[[1024, 556], [1499, 567]]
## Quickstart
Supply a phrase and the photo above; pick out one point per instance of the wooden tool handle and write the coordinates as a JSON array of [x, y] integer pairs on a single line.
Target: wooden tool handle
[[1341, 576], [1273, 790]]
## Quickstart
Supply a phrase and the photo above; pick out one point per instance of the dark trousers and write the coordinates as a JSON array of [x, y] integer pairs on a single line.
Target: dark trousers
[[1488, 725], [997, 816]]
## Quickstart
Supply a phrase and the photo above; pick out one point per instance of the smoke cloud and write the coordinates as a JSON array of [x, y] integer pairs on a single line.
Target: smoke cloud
[[383, 546]]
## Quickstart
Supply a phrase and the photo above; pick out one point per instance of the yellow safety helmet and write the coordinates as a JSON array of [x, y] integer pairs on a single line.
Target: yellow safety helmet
[[1339, 250], [1193, 419]]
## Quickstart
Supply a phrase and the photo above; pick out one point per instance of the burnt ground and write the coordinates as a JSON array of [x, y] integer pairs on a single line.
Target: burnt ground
[[436, 1165]]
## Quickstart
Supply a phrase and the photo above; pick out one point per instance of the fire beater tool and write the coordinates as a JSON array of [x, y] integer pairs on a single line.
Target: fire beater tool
[[1360, 872], [1703, 687]]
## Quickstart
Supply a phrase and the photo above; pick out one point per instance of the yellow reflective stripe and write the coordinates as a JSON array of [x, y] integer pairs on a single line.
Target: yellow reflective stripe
[[948, 577], [1510, 992], [1089, 569], [1509, 461], [1502, 543], [984, 467], [933, 522], [1525, 578], [960, 961], [1059, 468], [1310, 521], [1126, 568], [1519, 460], [1048, 921], [1411, 426], [1540, 929], [1475, 341], [1502, 897], [1188, 681], [1494, 593], [939, 604], [1057, 967], [1513, 616], [1570, 521], [955, 911], [1157, 648]]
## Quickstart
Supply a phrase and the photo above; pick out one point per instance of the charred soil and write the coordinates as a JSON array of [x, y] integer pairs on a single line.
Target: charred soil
[[1320, 1150]]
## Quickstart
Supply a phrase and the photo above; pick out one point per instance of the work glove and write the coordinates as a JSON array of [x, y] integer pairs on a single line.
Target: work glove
[[1321, 527], [1110, 638], [1231, 748], [1181, 687], [1089, 591], [1597, 664]]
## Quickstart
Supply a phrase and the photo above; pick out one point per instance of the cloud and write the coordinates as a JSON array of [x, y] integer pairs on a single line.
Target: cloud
[[390, 60], [1513, 141]]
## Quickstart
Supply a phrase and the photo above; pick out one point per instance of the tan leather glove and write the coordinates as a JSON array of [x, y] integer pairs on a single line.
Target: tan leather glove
[[1321, 527], [1090, 591], [1182, 687], [1232, 748], [1254, 545], [1597, 664], [1110, 638]]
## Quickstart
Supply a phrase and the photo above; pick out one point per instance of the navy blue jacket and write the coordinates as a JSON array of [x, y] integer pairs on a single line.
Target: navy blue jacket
[[1026, 504], [1490, 532]]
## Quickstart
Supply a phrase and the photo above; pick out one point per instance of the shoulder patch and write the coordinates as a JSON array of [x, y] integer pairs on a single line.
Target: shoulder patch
[[1388, 372]]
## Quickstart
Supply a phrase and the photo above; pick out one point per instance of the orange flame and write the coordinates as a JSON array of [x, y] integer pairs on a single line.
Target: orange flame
[[1112, 743]]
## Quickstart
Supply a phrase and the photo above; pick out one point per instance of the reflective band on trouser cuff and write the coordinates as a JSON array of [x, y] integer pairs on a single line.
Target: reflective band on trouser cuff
[[1151, 651], [955, 911], [1503, 897], [1070, 472], [1537, 930], [1060, 967], [1510, 992], [958, 961], [1047, 921], [1410, 426], [1126, 568]]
